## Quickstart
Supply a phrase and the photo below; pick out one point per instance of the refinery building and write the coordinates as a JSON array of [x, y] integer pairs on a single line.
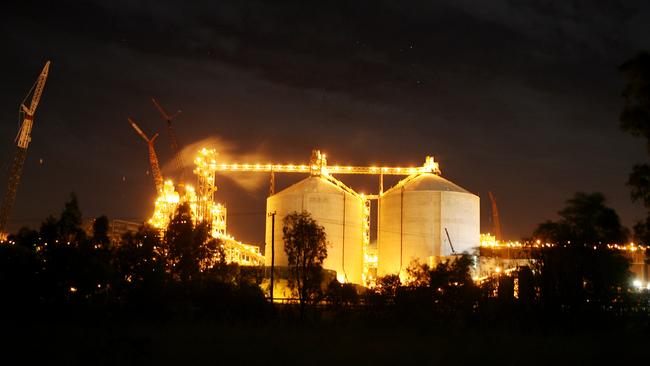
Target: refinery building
[[423, 218]]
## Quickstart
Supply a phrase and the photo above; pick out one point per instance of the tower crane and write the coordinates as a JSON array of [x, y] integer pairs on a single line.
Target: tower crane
[[173, 141], [153, 158], [22, 142], [495, 217]]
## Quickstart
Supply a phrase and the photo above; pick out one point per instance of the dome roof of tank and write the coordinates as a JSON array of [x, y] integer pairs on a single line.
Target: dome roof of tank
[[427, 182], [312, 185]]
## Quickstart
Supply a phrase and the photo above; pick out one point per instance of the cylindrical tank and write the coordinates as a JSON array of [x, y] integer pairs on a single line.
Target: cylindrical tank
[[417, 219], [341, 214]]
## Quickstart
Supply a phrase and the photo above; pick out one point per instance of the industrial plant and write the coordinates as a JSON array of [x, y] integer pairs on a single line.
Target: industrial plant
[[424, 218]]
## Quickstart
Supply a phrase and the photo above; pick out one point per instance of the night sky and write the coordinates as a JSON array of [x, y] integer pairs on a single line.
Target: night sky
[[521, 100]]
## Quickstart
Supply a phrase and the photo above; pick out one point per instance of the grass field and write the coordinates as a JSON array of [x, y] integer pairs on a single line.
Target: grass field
[[205, 343]]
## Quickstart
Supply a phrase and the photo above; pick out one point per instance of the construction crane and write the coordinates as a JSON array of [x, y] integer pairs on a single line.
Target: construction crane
[[173, 141], [495, 218], [153, 158], [22, 142]]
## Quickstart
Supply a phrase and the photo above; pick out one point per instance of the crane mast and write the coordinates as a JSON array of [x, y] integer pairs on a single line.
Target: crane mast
[[22, 142], [153, 158], [173, 141], [496, 221]]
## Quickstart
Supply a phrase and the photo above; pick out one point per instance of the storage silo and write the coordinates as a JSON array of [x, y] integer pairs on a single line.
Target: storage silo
[[413, 216], [338, 210]]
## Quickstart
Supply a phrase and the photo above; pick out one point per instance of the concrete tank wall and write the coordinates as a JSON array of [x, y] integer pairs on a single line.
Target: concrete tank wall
[[412, 219], [338, 211]]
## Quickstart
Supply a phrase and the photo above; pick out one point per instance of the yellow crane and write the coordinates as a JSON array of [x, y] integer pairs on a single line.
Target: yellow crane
[[173, 141], [22, 142], [496, 221], [153, 158]]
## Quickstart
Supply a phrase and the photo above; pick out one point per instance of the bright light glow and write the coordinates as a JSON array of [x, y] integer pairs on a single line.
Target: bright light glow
[[203, 208], [318, 166], [637, 283]]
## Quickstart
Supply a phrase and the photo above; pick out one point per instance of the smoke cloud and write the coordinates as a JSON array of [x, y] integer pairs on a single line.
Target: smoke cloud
[[227, 152]]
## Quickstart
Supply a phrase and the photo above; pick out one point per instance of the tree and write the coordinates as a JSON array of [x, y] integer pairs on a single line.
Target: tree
[[305, 243], [187, 244], [585, 220], [581, 269], [388, 286], [139, 263], [635, 116], [25, 237], [100, 230], [448, 287], [635, 119], [69, 226]]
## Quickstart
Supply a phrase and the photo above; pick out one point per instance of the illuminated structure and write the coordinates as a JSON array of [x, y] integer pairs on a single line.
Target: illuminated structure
[[344, 213], [153, 158], [204, 209], [338, 210], [425, 218], [173, 141], [22, 142]]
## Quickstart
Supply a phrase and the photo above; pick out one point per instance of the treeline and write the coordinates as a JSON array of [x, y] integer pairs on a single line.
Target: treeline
[[62, 270], [578, 280]]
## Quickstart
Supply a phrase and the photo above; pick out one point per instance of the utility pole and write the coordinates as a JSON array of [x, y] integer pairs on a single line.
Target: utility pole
[[272, 215]]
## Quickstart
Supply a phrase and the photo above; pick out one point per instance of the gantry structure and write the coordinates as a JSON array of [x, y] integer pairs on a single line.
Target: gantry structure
[[318, 166]]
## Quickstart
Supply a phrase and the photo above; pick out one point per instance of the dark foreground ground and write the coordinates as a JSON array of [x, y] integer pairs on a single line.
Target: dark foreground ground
[[282, 343]]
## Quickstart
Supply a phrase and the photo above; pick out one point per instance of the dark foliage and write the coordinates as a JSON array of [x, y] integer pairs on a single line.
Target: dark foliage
[[635, 119], [584, 221], [149, 276], [306, 247], [60, 268]]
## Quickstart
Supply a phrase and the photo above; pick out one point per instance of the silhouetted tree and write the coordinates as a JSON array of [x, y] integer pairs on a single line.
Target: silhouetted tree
[[388, 285], [584, 221], [635, 116], [20, 274], [100, 231], [69, 226], [338, 294], [139, 263], [305, 243], [186, 245], [580, 267], [635, 119], [49, 231], [25, 237], [447, 288]]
